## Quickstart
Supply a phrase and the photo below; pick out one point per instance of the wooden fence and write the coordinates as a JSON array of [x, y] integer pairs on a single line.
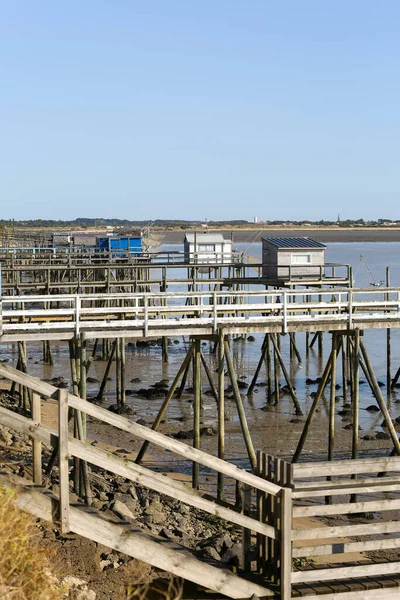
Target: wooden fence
[[191, 568], [157, 314]]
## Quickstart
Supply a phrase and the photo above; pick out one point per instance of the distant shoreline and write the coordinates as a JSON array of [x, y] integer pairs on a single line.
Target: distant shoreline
[[318, 234]]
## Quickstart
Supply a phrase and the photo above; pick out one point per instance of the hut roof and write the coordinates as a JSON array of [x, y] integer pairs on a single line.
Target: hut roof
[[206, 238], [294, 242]]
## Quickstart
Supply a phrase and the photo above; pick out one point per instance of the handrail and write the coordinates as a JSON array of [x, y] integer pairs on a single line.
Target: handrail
[[144, 311]]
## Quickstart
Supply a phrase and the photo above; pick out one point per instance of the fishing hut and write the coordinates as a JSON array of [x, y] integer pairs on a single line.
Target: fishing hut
[[207, 248], [120, 245], [285, 258]]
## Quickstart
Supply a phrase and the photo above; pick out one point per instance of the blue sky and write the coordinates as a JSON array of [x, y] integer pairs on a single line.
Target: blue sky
[[214, 109]]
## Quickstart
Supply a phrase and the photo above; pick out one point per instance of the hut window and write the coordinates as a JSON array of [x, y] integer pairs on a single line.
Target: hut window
[[206, 248], [301, 259]]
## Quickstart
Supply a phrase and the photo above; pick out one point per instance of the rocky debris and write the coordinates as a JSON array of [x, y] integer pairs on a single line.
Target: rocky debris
[[136, 380], [122, 511], [187, 435], [382, 435], [5, 436], [77, 589], [152, 393], [120, 410]]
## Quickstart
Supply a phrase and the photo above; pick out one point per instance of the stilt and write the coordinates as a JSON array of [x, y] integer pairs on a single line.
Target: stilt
[[166, 402], [196, 411], [286, 375], [310, 416], [239, 405], [221, 413], [107, 372]]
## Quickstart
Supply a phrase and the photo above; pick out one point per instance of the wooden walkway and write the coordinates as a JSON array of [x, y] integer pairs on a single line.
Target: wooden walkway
[[196, 313], [276, 496]]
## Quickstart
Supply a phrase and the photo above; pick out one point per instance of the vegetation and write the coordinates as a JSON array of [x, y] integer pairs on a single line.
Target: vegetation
[[83, 223], [24, 565]]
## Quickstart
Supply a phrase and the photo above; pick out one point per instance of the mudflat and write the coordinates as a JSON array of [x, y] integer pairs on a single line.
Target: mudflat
[[333, 234]]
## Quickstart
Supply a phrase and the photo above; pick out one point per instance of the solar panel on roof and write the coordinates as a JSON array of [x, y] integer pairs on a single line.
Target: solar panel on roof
[[294, 242]]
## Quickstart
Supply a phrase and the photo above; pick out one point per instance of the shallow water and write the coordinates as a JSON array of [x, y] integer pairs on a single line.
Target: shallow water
[[146, 363]]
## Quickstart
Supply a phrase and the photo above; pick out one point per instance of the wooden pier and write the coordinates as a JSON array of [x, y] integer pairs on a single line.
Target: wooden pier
[[279, 497]]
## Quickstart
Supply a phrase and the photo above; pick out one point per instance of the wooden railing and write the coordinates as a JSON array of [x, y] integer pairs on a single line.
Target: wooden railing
[[204, 312], [362, 487], [69, 447]]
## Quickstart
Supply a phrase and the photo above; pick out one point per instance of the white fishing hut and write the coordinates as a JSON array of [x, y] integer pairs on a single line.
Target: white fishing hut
[[292, 257], [207, 248]]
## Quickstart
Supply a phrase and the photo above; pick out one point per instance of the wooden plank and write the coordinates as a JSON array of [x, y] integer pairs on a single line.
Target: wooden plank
[[63, 459], [335, 509], [285, 544], [137, 473], [343, 548], [346, 467], [386, 568], [351, 489], [363, 481], [159, 552], [346, 530], [375, 594], [36, 444]]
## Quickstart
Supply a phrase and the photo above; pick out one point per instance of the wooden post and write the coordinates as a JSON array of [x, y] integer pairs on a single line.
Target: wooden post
[[122, 362], [241, 412], [260, 362], [221, 412], [379, 398], [268, 367], [246, 533], [63, 459], [388, 344], [310, 416], [107, 371], [118, 372], [331, 439], [286, 375], [209, 376], [196, 410], [286, 543], [36, 444], [166, 402]]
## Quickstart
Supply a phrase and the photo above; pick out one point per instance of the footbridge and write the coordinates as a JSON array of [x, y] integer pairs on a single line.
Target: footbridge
[[283, 537], [46, 317]]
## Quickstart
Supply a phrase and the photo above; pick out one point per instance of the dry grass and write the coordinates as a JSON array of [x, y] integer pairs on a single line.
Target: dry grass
[[24, 565], [145, 586]]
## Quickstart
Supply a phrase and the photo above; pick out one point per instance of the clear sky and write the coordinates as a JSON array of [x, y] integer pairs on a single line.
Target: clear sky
[[194, 109]]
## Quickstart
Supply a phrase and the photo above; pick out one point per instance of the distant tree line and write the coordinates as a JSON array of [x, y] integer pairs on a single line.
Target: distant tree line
[[81, 223]]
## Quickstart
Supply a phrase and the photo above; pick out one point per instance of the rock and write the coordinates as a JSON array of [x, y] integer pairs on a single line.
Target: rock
[[122, 511], [372, 408], [5, 436], [242, 385], [310, 381], [220, 542], [77, 589], [381, 384], [382, 435], [346, 412], [210, 552], [136, 380], [296, 421], [233, 555], [120, 410], [368, 437], [251, 338], [142, 422], [92, 380]]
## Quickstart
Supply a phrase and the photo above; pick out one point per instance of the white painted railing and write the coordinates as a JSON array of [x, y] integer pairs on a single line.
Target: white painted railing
[[152, 313]]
